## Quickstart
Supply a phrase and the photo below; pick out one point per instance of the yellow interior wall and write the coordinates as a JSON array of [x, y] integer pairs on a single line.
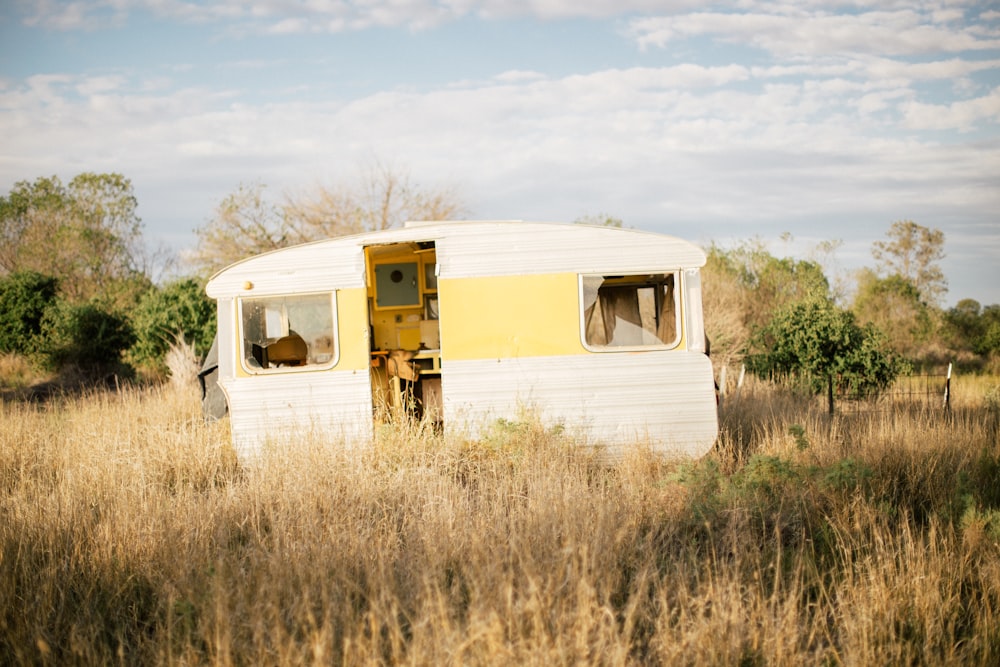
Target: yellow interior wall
[[510, 316], [397, 327]]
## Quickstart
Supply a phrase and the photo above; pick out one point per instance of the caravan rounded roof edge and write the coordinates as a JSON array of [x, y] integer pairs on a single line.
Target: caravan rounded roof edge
[[425, 230], [410, 224]]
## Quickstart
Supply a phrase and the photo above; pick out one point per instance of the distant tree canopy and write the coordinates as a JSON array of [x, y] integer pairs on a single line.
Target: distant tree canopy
[[246, 223], [599, 220], [894, 305], [969, 326], [85, 234], [912, 252], [744, 285], [75, 287]]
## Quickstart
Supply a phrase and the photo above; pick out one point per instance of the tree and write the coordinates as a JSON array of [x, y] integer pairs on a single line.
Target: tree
[[180, 309], [24, 298], [912, 252], [599, 220], [969, 326], [86, 336], [86, 235], [744, 285], [990, 342], [894, 305], [821, 346], [246, 223]]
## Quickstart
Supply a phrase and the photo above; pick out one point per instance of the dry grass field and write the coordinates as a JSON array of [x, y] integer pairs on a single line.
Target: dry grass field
[[129, 535]]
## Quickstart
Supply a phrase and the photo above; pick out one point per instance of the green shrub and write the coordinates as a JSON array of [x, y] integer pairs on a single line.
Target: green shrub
[[179, 309], [24, 297], [817, 344], [85, 336]]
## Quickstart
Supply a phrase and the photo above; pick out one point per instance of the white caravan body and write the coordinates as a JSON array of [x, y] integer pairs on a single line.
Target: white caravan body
[[597, 329]]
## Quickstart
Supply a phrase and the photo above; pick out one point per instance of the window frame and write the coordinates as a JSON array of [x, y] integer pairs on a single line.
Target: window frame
[[639, 280], [305, 368]]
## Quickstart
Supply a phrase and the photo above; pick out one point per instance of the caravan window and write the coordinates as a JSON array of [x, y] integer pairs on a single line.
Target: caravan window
[[630, 311], [295, 331]]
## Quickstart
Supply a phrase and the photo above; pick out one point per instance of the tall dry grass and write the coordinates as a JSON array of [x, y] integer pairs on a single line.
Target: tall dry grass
[[129, 535]]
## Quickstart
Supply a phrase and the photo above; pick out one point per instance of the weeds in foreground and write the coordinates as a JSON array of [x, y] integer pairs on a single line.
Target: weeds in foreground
[[130, 535]]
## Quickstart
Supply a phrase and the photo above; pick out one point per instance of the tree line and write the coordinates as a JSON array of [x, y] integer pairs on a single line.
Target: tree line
[[77, 291], [76, 288]]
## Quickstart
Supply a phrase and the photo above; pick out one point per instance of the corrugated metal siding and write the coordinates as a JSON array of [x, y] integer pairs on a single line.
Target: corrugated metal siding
[[225, 322], [496, 249], [464, 249], [314, 267], [663, 399], [291, 405]]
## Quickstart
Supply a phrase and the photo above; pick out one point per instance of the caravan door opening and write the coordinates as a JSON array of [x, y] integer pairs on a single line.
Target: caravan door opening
[[405, 341]]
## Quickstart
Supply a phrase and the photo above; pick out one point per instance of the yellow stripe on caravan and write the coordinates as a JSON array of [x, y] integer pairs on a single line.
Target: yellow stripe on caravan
[[510, 316]]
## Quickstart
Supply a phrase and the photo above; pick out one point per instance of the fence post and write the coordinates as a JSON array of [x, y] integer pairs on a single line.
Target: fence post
[[947, 390]]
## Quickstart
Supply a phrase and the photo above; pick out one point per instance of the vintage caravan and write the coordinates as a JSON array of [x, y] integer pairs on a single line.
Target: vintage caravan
[[596, 328]]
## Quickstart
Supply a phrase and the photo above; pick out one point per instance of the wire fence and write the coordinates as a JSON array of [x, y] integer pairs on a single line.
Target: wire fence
[[929, 390]]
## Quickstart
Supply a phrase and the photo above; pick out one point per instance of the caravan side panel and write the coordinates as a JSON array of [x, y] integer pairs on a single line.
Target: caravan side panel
[[664, 399], [291, 404], [285, 409]]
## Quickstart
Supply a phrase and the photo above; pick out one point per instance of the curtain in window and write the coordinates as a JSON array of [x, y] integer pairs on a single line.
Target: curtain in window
[[614, 318]]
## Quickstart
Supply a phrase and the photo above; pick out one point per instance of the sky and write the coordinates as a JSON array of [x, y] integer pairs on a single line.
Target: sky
[[791, 122]]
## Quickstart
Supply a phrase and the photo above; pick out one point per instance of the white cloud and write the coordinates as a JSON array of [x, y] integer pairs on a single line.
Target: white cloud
[[612, 136], [900, 32], [847, 128], [780, 27], [963, 115], [99, 84]]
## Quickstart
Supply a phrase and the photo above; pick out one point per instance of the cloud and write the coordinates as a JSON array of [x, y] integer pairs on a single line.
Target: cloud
[[962, 115], [781, 28], [282, 17], [776, 153], [894, 32], [841, 122]]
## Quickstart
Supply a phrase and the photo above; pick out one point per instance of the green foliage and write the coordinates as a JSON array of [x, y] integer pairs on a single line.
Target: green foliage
[[767, 476], [707, 488], [600, 220], [848, 475], [744, 285], [895, 306], [774, 281], [819, 345], [912, 252], [85, 234], [798, 432], [24, 298], [971, 327], [85, 336], [179, 309], [990, 342]]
